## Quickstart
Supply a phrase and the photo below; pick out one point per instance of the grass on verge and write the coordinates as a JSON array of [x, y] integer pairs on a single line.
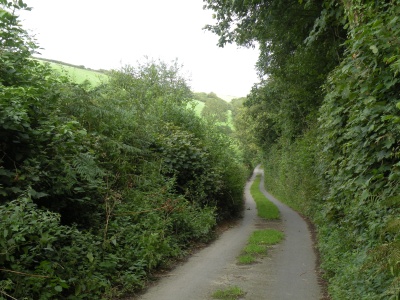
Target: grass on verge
[[230, 293], [266, 209]]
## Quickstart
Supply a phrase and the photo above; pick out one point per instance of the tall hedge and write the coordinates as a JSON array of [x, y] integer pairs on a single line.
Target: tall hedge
[[101, 186]]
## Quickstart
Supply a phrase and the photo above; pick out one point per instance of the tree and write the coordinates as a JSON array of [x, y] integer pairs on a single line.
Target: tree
[[294, 72], [215, 109]]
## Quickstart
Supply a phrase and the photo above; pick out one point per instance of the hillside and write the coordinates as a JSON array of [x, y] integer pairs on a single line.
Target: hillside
[[78, 74], [215, 109], [211, 102]]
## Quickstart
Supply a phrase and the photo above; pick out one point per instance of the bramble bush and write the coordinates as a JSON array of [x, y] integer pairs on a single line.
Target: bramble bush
[[100, 186]]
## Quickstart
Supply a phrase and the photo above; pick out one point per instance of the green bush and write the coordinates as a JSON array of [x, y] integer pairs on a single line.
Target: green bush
[[100, 186], [41, 258], [293, 173], [360, 133]]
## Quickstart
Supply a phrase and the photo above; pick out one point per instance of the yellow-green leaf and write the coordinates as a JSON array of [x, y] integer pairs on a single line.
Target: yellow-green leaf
[[90, 256], [374, 49]]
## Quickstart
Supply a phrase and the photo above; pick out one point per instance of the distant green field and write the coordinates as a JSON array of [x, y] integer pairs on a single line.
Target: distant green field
[[79, 75], [198, 106], [230, 120]]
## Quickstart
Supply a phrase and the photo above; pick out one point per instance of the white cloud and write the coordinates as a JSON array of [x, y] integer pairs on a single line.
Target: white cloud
[[99, 35]]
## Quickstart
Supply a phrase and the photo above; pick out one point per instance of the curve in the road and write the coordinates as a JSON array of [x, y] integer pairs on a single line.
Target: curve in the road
[[293, 267], [288, 273]]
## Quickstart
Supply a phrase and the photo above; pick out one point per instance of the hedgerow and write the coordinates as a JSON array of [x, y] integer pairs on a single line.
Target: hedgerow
[[326, 114], [100, 186]]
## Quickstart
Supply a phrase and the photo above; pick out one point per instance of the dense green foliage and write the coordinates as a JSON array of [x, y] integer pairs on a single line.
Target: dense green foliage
[[245, 132], [99, 186], [215, 108], [326, 114], [216, 111], [361, 135]]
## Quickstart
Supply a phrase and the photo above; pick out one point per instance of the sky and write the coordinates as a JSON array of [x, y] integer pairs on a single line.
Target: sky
[[103, 34]]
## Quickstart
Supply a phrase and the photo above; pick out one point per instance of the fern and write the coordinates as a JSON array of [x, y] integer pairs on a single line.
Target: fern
[[85, 165]]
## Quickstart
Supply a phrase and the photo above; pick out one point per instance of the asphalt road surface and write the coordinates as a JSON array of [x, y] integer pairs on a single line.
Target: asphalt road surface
[[287, 272]]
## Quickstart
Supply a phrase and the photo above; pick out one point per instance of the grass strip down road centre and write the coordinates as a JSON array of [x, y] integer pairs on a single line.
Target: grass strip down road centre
[[230, 293], [266, 209], [261, 239]]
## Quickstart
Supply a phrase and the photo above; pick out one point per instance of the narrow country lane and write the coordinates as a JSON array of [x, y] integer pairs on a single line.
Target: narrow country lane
[[288, 271], [292, 268]]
